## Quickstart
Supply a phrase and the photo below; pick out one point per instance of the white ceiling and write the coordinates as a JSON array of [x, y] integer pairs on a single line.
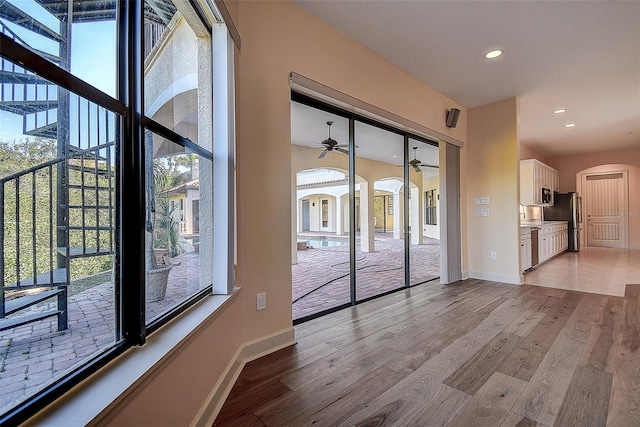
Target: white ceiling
[[580, 55]]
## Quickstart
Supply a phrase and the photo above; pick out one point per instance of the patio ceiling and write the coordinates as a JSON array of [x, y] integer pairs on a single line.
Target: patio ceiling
[[309, 128]]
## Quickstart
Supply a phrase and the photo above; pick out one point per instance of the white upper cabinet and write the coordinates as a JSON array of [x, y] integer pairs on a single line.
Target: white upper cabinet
[[534, 176]]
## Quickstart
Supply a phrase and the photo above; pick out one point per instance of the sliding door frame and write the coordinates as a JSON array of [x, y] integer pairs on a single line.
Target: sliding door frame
[[352, 117]]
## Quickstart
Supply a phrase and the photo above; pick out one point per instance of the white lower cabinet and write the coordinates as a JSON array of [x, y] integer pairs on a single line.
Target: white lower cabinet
[[525, 248], [553, 239]]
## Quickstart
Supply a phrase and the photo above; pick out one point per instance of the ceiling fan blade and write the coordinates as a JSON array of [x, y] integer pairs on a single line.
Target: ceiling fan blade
[[324, 153], [429, 166], [342, 150]]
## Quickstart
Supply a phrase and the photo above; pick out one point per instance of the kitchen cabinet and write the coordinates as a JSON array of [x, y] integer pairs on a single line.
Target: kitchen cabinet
[[553, 239], [534, 176], [525, 248]]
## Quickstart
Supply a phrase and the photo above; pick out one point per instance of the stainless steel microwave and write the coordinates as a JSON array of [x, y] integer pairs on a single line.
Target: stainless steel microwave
[[546, 196]]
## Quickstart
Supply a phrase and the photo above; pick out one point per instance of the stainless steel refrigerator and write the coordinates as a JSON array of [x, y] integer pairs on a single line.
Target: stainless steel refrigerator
[[567, 207]]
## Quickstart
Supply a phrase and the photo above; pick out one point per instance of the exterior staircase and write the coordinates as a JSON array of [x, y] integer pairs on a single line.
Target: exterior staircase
[[61, 209], [64, 208]]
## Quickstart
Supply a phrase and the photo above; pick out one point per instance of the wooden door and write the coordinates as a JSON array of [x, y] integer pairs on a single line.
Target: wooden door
[[605, 201]]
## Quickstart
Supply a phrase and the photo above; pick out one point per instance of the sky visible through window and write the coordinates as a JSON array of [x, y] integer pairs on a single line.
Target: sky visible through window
[[93, 56]]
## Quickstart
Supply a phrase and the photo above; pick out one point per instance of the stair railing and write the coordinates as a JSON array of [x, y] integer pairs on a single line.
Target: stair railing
[[21, 196]]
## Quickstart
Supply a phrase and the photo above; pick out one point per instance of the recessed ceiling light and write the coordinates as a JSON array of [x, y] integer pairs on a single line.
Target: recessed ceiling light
[[493, 54], [570, 125], [560, 111]]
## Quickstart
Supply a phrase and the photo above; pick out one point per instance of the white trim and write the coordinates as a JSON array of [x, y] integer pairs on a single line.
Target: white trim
[[306, 86], [249, 351], [223, 161], [502, 278]]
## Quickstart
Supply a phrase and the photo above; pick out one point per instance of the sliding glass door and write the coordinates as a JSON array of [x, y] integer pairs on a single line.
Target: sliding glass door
[[358, 209], [424, 235], [379, 260], [320, 159]]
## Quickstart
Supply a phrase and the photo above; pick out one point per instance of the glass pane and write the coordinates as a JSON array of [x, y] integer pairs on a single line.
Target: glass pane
[[57, 173], [424, 241], [177, 87], [379, 211], [320, 268], [179, 236], [90, 39]]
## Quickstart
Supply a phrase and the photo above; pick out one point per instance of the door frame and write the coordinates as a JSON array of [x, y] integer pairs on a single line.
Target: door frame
[[328, 226], [585, 202]]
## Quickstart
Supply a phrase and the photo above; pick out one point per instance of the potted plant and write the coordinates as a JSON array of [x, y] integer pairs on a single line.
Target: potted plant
[[156, 274]]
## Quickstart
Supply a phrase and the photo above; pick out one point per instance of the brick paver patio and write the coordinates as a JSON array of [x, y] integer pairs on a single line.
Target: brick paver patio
[[34, 355], [321, 276]]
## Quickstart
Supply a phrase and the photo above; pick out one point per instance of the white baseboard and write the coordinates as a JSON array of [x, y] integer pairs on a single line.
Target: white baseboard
[[246, 353], [634, 246], [502, 278]]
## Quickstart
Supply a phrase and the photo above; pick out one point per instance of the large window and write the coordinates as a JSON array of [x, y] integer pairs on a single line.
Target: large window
[[106, 182]]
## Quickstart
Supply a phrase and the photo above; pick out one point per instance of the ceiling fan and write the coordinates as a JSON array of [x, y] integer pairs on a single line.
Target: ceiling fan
[[330, 144], [415, 163]]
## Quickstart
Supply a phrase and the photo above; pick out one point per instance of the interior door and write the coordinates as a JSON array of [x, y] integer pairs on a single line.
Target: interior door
[[605, 210]]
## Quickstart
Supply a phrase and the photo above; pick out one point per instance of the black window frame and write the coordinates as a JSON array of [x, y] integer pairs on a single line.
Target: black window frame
[[129, 283]]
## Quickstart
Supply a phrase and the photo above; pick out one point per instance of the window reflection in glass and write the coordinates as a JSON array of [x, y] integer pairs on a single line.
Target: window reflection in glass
[[178, 224]]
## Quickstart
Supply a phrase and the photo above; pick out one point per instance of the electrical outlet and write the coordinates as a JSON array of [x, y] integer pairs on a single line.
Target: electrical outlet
[[261, 301], [494, 255]]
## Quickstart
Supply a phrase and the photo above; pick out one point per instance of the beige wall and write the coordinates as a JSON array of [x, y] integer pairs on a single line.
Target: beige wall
[[570, 168], [277, 38], [492, 164], [527, 153]]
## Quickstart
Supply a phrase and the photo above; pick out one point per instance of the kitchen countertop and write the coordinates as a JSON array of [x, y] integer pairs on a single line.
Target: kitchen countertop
[[538, 224]]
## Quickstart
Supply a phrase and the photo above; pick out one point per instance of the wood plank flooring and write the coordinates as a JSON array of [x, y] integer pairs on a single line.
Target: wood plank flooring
[[474, 353]]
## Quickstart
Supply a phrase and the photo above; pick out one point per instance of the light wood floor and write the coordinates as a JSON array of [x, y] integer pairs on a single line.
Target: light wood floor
[[474, 353]]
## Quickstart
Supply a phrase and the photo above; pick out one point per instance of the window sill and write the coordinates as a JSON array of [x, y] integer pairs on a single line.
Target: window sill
[[109, 385]]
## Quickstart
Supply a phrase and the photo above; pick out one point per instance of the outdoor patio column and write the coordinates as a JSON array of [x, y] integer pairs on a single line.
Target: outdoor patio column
[[398, 217], [416, 217], [367, 242], [339, 215]]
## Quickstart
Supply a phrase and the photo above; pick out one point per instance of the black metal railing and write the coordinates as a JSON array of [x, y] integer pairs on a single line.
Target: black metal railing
[[29, 224]]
